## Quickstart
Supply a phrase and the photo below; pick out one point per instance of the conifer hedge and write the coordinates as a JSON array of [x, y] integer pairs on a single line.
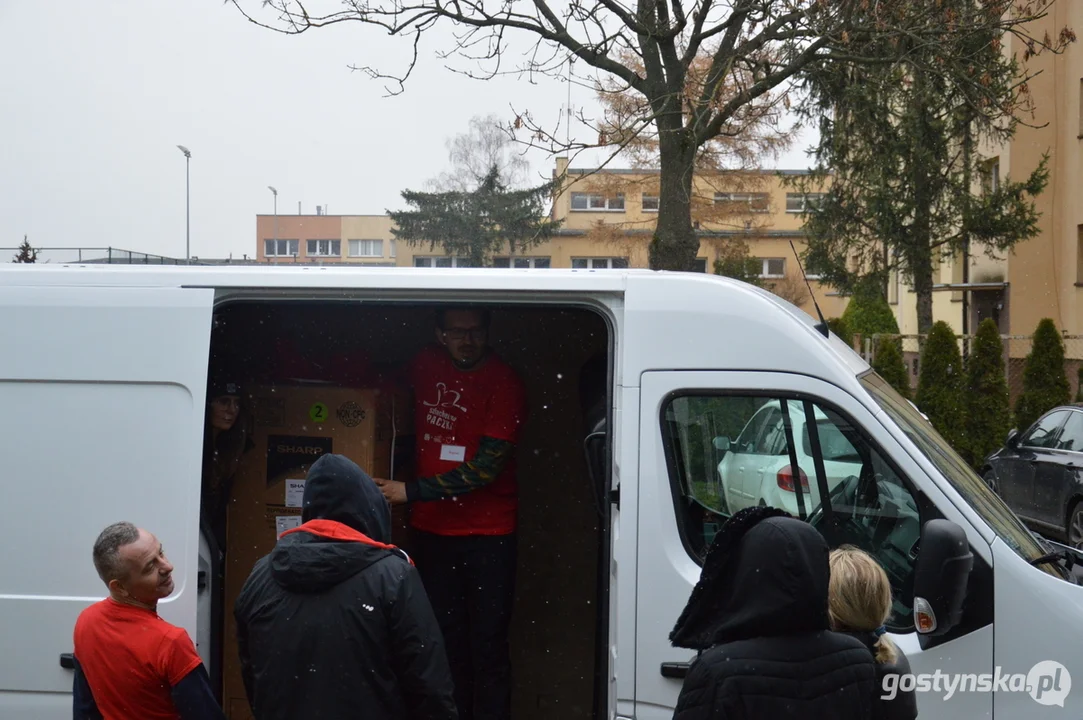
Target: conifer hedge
[[1045, 385], [940, 385], [987, 408]]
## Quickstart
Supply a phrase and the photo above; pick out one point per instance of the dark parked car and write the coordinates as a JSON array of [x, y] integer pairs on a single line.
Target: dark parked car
[[1039, 474]]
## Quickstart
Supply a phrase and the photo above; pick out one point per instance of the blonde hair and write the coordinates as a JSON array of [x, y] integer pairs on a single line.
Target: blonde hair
[[860, 597]]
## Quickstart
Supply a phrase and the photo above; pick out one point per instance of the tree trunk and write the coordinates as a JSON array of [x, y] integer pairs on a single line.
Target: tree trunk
[[923, 288], [923, 175], [675, 245]]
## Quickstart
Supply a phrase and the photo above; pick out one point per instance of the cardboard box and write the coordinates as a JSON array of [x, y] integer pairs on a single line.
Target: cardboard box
[[293, 426]]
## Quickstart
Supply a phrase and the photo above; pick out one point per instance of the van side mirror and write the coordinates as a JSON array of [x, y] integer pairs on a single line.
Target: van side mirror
[[722, 444], [940, 577], [1013, 439]]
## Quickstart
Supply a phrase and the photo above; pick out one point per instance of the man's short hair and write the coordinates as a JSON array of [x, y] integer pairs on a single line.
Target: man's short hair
[[482, 312], [107, 550]]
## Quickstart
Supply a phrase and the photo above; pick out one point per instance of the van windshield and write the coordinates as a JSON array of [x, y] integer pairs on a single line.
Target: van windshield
[[984, 501]]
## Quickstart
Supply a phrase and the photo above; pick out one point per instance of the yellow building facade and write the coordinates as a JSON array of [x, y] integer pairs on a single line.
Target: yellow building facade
[[608, 217]]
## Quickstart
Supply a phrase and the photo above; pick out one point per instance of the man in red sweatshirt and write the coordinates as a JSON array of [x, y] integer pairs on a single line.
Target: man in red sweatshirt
[[469, 409], [130, 663]]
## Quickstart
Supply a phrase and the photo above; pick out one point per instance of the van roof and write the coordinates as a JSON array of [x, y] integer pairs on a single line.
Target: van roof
[[691, 318], [320, 276]]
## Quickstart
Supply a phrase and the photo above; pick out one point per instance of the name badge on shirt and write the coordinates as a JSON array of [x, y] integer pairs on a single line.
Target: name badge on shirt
[[453, 453]]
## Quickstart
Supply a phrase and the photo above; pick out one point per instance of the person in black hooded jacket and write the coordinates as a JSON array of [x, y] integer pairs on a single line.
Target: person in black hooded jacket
[[335, 623], [759, 616]]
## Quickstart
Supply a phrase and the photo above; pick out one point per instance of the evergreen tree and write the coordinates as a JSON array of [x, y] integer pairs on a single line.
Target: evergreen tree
[[1079, 385], [988, 410], [1045, 385], [940, 384], [478, 223], [27, 254], [840, 328], [868, 314], [900, 142], [890, 365]]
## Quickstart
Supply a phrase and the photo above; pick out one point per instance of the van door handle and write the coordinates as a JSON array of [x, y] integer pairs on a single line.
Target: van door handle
[[67, 661], [675, 669]]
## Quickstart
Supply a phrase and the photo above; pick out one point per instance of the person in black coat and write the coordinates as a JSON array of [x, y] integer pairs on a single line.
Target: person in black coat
[[759, 616], [860, 604], [335, 623]]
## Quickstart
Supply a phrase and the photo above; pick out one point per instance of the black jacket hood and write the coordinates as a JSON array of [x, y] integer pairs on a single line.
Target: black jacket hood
[[336, 491], [766, 574]]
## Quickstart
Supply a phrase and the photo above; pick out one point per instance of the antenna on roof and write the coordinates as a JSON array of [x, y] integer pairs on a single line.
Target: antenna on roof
[[822, 325]]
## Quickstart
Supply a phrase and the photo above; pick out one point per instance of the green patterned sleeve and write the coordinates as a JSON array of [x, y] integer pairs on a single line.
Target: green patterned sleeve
[[479, 471]]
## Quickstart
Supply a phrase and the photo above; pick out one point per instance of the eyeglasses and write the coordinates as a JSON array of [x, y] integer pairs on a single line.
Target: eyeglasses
[[462, 333]]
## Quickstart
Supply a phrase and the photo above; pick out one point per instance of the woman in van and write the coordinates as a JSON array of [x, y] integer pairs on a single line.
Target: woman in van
[[227, 438], [860, 604]]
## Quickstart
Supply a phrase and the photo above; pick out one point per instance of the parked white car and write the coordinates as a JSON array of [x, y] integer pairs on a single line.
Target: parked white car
[[757, 468]]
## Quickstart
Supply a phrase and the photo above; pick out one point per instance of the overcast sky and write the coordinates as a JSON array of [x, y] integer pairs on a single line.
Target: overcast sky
[[97, 96]]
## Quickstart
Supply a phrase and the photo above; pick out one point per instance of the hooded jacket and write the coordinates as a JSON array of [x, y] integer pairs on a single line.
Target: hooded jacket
[[335, 623], [759, 616], [904, 706]]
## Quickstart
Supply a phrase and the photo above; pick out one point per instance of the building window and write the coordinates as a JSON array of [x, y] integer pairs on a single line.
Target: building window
[[391, 244], [325, 248], [442, 262], [802, 202], [522, 263], [280, 248], [600, 263], [772, 267], [744, 202], [650, 203], [594, 202], [701, 265], [1079, 254], [367, 248], [990, 176]]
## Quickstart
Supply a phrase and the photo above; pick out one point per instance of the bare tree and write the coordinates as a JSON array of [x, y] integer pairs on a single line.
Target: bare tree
[[758, 51], [475, 153]]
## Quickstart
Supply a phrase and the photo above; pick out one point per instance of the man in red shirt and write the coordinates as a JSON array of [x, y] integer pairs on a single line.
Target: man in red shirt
[[469, 408], [130, 663]]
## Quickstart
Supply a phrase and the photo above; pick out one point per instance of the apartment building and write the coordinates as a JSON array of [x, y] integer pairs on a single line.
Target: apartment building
[[608, 218]]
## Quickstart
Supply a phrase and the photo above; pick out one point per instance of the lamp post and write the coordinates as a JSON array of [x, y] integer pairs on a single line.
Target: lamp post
[[187, 206], [275, 193]]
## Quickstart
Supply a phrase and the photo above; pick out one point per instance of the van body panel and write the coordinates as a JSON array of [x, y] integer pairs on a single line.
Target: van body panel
[[678, 321], [101, 405], [625, 566], [668, 572], [1032, 609]]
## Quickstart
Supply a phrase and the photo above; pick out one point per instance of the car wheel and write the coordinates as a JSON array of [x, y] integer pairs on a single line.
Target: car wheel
[[990, 479], [1074, 531]]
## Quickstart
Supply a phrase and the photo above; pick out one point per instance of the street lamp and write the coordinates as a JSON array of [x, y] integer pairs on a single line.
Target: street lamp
[[187, 206], [275, 193]]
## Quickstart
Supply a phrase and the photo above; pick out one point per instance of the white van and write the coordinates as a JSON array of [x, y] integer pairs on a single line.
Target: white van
[[103, 382]]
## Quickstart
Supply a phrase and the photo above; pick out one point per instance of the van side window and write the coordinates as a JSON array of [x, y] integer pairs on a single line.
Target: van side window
[[778, 463]]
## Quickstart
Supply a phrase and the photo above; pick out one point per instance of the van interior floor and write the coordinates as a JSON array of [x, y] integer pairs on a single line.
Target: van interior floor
[[293, 357]]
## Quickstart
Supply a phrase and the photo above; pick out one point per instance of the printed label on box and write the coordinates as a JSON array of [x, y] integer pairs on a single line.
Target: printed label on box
[[286, 522], [295, 493]]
